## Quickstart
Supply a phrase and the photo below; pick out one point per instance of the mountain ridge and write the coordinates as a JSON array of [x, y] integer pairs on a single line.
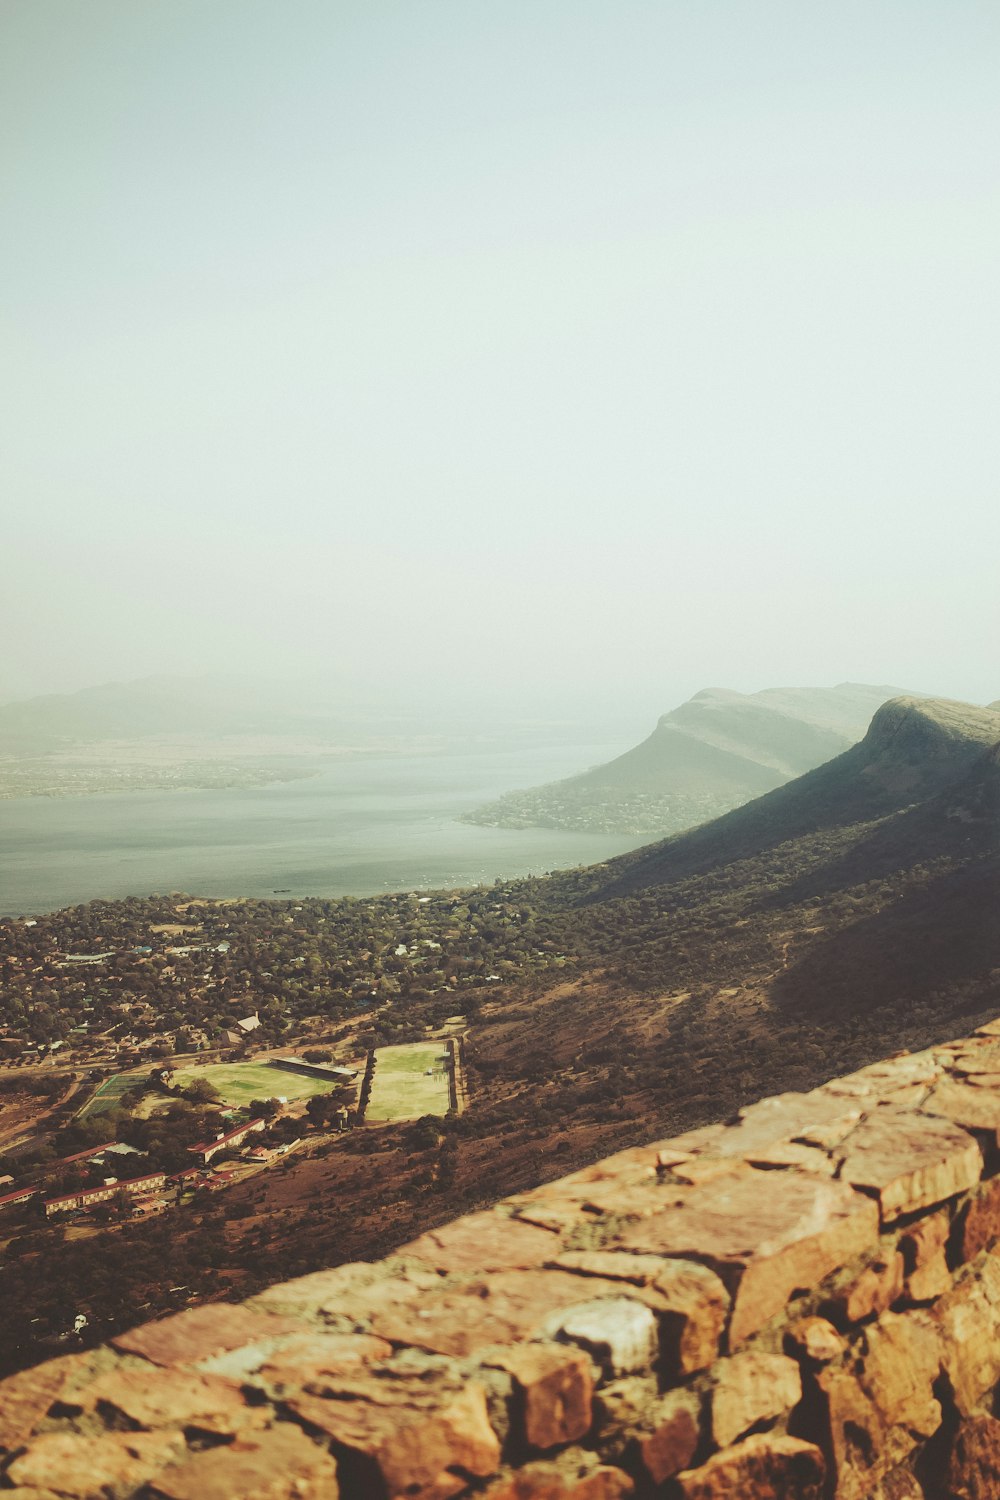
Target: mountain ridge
[[915, 747], [714, 752]]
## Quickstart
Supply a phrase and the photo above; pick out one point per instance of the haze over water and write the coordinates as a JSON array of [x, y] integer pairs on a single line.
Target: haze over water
[[358, 828]]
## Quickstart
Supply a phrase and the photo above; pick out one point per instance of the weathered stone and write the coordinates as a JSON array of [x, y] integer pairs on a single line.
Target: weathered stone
[[571, 1478], [630, 1165], [280, 1464], [673, 1442], [764, 1467], [902, 1355], [929, 1281], [84, 1467], [694, 1307], [637, 1200], [555, 1389], [488, 1241], [893, 1072], [504, 1308], [877, 1287], [691, 1142], [201, 1332], [320, 1291], [794, 1154], [708, 1168], [610, 1265], [408, 1442], [619, 1333], [751, 1388], [557, 1218], [923, 1241], [784, 1118], [979, 1221], [899, 1485], [967, 1104], [974, 1466], [880, 1407], [173, 1398], [766, 1234], [816, 1340], [969, 1319], [27, 1396], [318, 1353], [972, 1061], [909, 1160], [825, 1137], [668, 1157]]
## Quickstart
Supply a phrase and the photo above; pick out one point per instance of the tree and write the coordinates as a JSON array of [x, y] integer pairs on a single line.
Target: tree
[[263, 1109], [202, 1092]]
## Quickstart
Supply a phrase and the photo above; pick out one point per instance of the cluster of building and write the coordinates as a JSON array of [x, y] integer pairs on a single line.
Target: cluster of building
[[21, 1195], [86, 1198], [207, 1149]]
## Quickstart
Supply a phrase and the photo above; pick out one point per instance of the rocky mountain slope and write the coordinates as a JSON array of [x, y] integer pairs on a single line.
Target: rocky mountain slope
[[715, 752], [915, 748]]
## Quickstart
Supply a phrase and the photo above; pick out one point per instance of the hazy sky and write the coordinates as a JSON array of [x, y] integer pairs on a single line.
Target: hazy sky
[[554, 346]]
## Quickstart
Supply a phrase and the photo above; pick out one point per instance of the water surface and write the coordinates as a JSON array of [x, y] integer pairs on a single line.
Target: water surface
[[358, 827]]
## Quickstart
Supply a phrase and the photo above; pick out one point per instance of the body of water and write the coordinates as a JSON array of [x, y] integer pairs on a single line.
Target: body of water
[[358, 827]]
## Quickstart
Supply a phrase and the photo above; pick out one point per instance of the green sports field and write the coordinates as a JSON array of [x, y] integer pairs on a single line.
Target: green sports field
[[110, 1091], [402, 1088], [238, 1083]]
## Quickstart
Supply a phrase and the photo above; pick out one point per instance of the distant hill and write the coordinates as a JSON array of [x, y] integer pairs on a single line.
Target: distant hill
[[713, 753], [146, 707], [916, 750]]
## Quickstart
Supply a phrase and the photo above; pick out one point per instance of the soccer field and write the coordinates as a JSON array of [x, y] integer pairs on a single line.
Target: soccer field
[[402, 1088], [238, 1083]]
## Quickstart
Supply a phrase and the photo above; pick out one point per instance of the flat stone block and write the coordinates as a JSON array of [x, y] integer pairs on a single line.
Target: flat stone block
[[766, 1234], [751, 1388], [619, 1334], [280, 1464], [170, 1398], [414, 1440], [84, 1467], [972, 1104], [484, 1242], [505, 1308], [874, 1291], [202, 1332], [910, 1160], [692, 1302], [555, 1387]]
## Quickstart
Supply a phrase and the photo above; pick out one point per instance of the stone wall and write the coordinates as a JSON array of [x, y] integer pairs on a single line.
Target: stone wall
[[803, 1302]]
